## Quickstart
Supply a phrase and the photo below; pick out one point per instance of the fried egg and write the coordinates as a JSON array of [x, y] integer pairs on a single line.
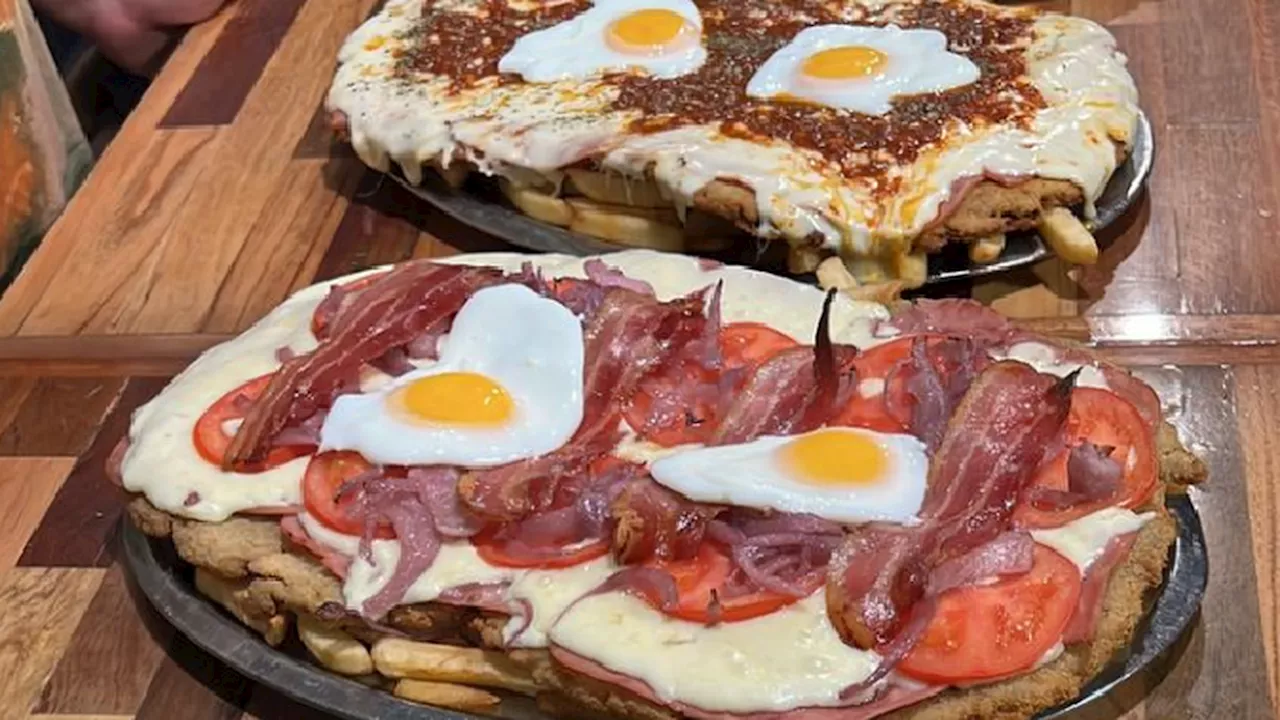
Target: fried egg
[[508, 385], [860, 68], [662, 38], [843, 474]]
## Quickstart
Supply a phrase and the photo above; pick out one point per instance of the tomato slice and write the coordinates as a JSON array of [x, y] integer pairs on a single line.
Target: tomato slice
[[321, 486], [985, 632], [742, 345], [500, 552], [873, 366], [211, 438], [747, 344], [1105, 419], [708, 571]]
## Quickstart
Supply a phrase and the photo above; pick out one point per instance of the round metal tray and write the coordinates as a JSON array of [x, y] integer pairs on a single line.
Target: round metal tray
[[483, 208], [166, 581]]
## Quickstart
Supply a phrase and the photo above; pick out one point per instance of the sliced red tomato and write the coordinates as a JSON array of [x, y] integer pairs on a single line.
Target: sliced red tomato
[[742, 345], [747, 344], [499, 552], [706, 572], [873, 367], [321, 492], [212, 440], [1105, 419], [991, 631]]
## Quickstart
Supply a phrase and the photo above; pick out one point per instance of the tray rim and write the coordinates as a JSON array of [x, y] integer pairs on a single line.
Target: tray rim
[[1128, 181], [233, 644]]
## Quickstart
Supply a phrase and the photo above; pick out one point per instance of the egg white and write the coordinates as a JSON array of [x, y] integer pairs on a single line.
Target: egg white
[[918, 62], [751, 475], [577, 49], [529, 345]]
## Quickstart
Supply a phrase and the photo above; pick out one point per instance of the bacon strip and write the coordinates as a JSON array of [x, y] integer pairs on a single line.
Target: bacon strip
[[959, 318], [1092, 475], [393, 310], [651, 522], [988, 455]]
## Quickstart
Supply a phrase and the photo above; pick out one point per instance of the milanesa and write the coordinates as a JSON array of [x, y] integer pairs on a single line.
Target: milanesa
[[640, 554]]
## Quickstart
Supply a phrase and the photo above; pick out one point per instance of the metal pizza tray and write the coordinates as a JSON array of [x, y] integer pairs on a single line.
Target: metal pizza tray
[[167, 583], [480, 206]]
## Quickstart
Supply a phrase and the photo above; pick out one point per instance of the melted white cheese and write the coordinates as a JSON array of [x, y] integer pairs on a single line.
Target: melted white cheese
[[536, 129], [1082, 541], [788, 659], [1045, 359]]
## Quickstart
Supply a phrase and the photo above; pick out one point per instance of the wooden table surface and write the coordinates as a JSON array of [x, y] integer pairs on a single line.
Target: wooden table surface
[[223, 193]]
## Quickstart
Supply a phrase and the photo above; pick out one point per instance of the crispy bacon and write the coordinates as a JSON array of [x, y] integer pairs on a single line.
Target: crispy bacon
[[1009, 554], [936, 375], [877, 587], [605, 275], [968, 319], [795, 391], [651, 522], [393, 310]]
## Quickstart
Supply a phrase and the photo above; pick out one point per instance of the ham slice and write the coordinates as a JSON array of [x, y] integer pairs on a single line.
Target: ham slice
[[1094, 590], [336, 562], [877, 588], [894, 697]]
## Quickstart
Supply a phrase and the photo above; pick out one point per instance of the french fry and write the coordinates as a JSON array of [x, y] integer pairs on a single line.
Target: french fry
[[333, 648], [986, 250], [1068, 237], [832, 273], [448, 695], [616, 189], [398, 658], [256, 611], [538, 205], [912, 269], [652, 228]]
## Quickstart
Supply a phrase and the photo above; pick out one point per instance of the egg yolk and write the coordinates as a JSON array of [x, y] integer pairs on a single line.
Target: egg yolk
[[645, 32], [850, 62], [836, 458], [457, 398]]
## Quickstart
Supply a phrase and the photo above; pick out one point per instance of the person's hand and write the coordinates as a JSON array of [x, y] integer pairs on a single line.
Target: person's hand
[[131, 33]]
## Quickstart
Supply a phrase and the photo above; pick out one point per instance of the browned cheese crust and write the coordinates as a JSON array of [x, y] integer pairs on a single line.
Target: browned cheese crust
[[251, 569]]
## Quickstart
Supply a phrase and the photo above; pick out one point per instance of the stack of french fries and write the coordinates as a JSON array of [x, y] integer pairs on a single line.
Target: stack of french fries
[[442, 675]]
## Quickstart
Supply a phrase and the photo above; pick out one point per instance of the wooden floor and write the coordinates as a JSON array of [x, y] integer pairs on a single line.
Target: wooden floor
[[223, 194]]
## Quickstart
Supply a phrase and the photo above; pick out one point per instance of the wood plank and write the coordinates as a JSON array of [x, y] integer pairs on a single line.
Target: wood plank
[[193, 685], [1258, 397], [286, 244], [1225, 269], [255, 153], [1222, 670], [374, 229], [39, 610], [92, 208], [27, 486], [106, 253], [228, 71], [13, 393], [1207, 55], [60, 416], [23, 358], [112, 657], [77, 529], [79, 717]]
